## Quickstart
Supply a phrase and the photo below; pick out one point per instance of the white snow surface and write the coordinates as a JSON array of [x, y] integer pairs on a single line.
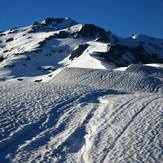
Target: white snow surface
[[86, 60], [83, 115]]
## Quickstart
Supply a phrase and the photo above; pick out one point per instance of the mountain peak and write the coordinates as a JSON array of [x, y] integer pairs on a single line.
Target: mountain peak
[[53, 21], [46, 46], [53, 24]]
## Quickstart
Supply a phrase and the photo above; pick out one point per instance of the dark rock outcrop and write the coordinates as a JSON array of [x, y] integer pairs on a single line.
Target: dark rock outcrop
[[90, 30], [78, 51], [1, 58], [122, 55], [9, 39]]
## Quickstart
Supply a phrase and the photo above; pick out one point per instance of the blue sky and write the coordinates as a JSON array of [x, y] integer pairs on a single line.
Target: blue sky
[[123, 17]]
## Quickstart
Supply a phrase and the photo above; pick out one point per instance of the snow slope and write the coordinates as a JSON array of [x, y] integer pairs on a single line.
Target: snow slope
[[83, 116], [77, 93]]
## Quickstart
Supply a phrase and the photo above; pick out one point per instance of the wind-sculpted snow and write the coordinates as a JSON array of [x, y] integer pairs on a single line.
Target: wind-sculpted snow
[[126, 128], [30, 112], [119, 80], [83, 115]]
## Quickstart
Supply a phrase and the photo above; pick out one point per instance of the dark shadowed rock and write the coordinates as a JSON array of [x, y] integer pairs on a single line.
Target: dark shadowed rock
[[2, 34], [1, 58], [78, 51], [29, 37], [122, 55], [90, 30], [53, 20], [5, 51], [38, 80], [20, 79], [9, 39], [103, 38], [61, 34]]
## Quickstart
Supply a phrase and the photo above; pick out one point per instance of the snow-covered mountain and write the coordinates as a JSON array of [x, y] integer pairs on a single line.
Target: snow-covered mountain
[[54, 43], [77, 93]]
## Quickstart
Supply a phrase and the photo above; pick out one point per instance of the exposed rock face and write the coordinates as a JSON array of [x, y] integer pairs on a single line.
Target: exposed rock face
[[53, 20], [1, 58], [78, 51], [61, 34], [90, 30], [123, 55], [10, 39]]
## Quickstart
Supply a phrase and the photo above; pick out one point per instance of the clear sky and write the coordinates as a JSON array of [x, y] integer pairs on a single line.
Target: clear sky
[[123, 17]]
